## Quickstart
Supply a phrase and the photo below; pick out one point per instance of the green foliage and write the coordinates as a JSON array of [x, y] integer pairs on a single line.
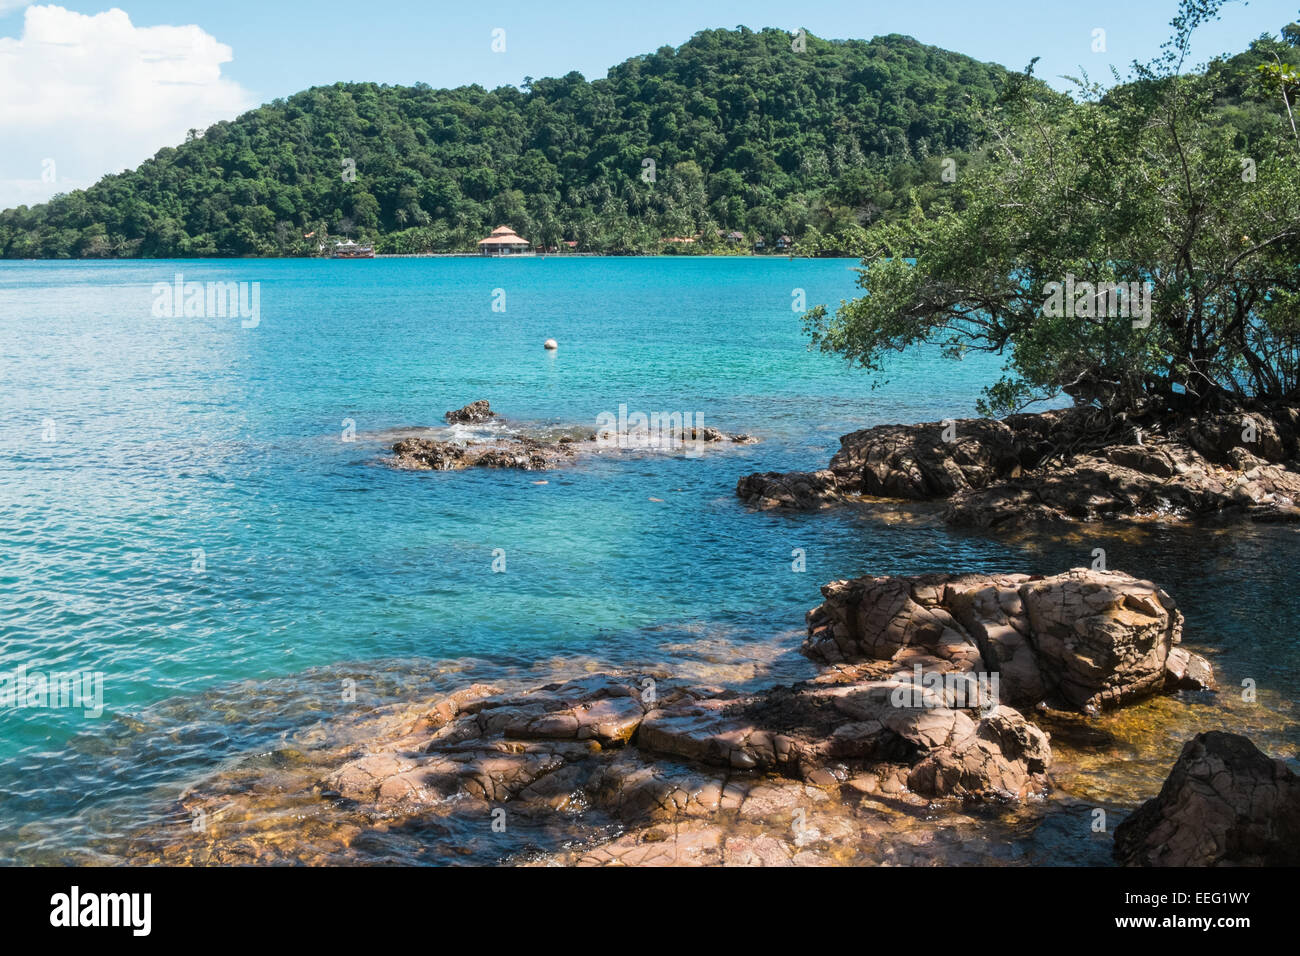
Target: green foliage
[[1149, 182], [746, 135]]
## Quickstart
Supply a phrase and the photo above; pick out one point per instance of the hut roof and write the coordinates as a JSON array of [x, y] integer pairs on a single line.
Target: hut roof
[[503, 236]]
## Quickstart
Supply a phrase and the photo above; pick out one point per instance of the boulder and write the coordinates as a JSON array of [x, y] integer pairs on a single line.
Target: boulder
[[1225, 803], [472, 414], [1082, 640], [1267, 434], [934, 460], [796, 489], [1187, 671]]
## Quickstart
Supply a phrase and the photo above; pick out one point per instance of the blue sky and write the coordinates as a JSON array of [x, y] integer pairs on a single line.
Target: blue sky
[[282, 46], [160, 66]]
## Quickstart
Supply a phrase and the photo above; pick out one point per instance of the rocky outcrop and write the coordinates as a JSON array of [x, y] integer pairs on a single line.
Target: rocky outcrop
[[1164, 479], [926, 461], [825, 733], [793, 489], [872, 720], [706, 434], [474, 413], [1224, 804], [1082, 640], [1060, 466], [870, 761], [539, 449], [604, 737], [526, 454]]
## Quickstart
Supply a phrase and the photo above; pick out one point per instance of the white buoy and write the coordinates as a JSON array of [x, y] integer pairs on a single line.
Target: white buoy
[[551, 344]]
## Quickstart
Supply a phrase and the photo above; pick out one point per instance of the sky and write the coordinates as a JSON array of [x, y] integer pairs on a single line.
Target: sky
[[88, 89]]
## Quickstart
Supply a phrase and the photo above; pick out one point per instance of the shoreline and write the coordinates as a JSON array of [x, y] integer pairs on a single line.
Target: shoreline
[[445, 255], [1061, 467], [263, 804], [643, 783], [622, 767]]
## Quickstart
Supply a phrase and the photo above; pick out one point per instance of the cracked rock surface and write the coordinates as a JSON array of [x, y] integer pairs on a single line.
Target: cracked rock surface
[[1225, 803], [1081, 640]]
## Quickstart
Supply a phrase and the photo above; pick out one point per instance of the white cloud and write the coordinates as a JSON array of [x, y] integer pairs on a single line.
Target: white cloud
[[97, 94]]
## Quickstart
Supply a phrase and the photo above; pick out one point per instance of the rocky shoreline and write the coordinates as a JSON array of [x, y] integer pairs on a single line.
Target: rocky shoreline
[[894, 710], [1061, 466], [922, 731], [925, 702]]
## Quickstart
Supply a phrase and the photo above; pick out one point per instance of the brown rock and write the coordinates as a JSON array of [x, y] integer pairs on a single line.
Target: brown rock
[[1187, 671], [795, 489], [1059, 466], [1224, 804], [1079, 640], [472, 414], [918, 461]]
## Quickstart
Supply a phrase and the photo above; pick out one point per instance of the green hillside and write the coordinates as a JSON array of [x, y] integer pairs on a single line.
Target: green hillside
[[746, 134]]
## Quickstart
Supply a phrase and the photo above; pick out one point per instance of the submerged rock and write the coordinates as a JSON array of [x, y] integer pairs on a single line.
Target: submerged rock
[[1225, 803], [1060, 466], [1275, 513]]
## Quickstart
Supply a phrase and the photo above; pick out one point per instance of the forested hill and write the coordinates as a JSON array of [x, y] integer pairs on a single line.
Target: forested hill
[[745, 133]]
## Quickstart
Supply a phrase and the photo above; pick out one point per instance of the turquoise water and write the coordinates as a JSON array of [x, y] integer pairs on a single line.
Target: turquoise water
[[177, 434]]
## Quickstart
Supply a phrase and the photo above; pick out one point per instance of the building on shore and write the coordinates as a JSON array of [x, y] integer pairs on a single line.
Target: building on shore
[[352, 250], [503, 242]]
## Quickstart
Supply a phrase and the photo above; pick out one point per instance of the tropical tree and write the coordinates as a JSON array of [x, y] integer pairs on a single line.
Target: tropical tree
[[1126, 249]]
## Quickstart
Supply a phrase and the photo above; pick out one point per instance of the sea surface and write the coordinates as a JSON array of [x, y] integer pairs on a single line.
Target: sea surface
[[196, 509]]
